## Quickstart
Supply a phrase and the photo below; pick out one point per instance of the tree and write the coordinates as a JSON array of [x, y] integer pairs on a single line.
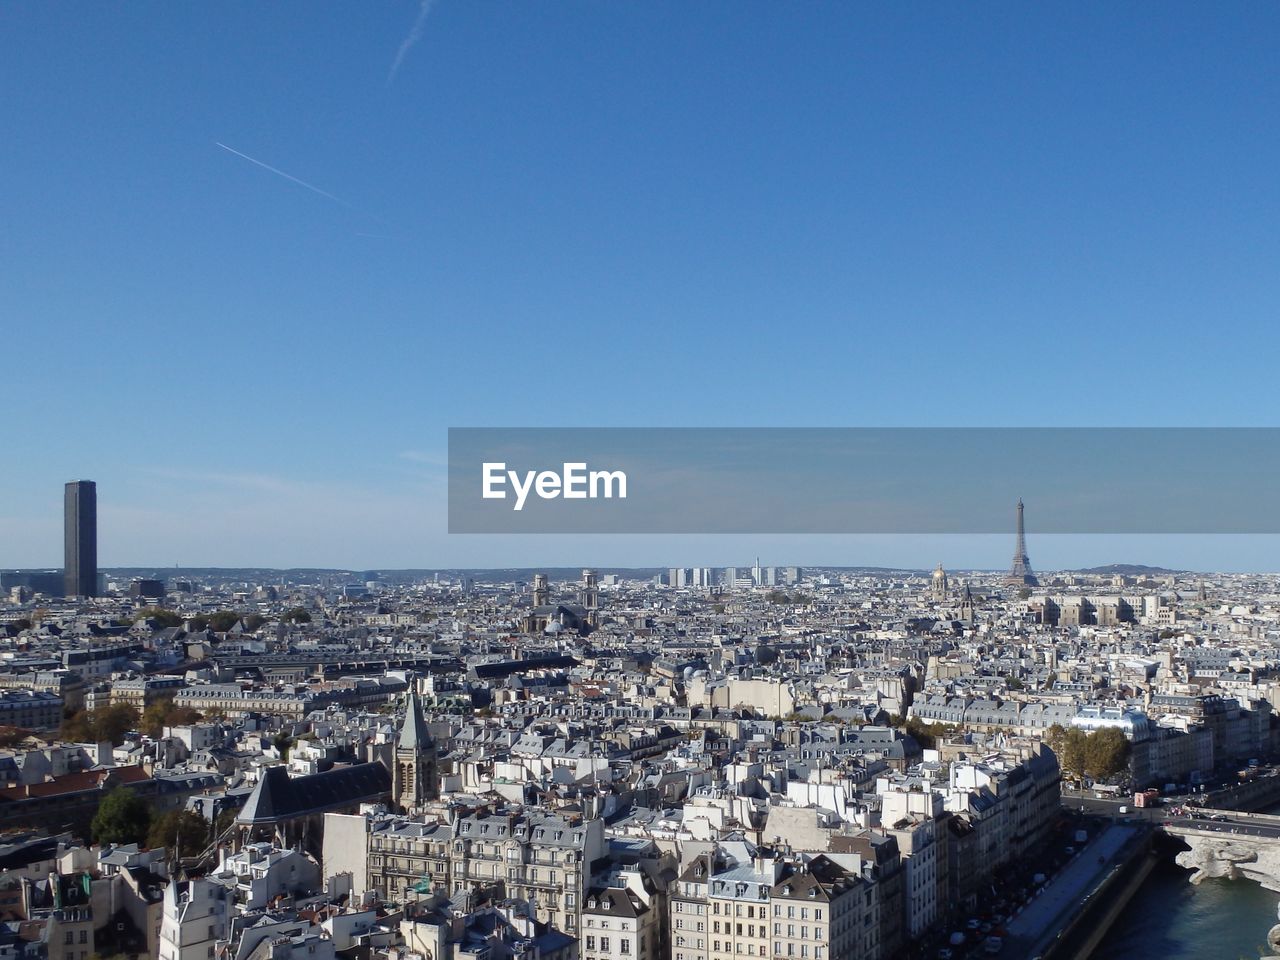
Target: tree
[[198, 623], [77, 728], [109, 723], [1024, 593], [925, 734], [223, 620], [253, 621], [165, 618], [12, 736], [163, 714], [23, 623], [1100, 754], [122, 817], [188, 829], [1106, 753], [113, 722], [282, 743], [297, 615], [223, 820]]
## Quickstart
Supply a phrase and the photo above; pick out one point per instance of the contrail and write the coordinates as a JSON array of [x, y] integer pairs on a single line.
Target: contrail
[[281, 173], [415, 34]]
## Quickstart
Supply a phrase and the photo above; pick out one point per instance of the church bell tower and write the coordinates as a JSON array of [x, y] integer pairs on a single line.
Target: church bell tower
[[414, 777]]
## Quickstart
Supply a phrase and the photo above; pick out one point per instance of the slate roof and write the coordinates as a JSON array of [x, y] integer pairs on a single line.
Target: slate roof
[[413, 730], [279, 797]]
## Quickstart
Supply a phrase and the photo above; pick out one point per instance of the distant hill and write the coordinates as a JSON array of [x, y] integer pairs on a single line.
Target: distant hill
[[1127, 570]]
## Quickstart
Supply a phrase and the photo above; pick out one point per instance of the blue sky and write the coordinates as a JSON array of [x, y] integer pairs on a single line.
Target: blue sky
[[607, 214]]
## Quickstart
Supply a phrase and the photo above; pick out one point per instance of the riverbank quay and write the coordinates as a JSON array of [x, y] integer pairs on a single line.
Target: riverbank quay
[[1076, 908]]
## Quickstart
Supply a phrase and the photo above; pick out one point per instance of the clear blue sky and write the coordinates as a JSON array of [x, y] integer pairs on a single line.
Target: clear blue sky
[[570, 213]]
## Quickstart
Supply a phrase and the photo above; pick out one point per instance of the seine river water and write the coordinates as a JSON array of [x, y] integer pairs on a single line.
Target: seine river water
[[1169, 919]]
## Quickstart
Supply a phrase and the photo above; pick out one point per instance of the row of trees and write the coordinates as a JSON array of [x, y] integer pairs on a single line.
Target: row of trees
[[925, 734], [108, 723], [219, 622], [124, 817], [113, 722], [779, 597], [1100, 754]]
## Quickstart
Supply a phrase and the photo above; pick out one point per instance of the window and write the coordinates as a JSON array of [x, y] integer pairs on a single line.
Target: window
[[624, 945], [70, 937], [604, 944], [84, 936], [591, 942]]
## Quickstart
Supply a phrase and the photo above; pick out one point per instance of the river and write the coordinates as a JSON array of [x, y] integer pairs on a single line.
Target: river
[[1169, 919]]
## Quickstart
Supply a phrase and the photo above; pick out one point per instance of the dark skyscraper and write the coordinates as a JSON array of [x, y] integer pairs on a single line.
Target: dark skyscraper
[[1020, 573], [80, 528]]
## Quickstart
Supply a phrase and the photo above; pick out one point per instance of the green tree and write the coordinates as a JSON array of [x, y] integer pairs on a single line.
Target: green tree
[[297, 615], [253, 621], [1099, 755], [113, 722], [223, 820], [12, 736], [109, 723], [162, 713], [122, 817], [188, 829], [1024, 593], [198, 623], [223, 620], [282, 743], [925, 734], [1068, 744], [77, 728], [166, 618], [1106, 753]]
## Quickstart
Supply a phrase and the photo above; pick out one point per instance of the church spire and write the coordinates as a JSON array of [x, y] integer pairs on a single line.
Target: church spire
[[413, 729], [414, 772]]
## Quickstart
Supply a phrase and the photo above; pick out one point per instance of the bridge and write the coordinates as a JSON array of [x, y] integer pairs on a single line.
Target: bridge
[[1222, 843], [1229, 844]]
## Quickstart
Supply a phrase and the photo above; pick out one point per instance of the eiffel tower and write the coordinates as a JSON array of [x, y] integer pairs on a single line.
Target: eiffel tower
[[1020, 573]]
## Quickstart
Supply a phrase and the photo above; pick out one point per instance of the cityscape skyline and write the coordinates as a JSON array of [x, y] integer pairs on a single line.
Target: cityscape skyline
[[80, 497], [554, 468]]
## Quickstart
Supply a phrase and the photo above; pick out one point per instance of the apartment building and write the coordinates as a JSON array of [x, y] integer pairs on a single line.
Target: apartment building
[[822, 911], [542, 858]]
